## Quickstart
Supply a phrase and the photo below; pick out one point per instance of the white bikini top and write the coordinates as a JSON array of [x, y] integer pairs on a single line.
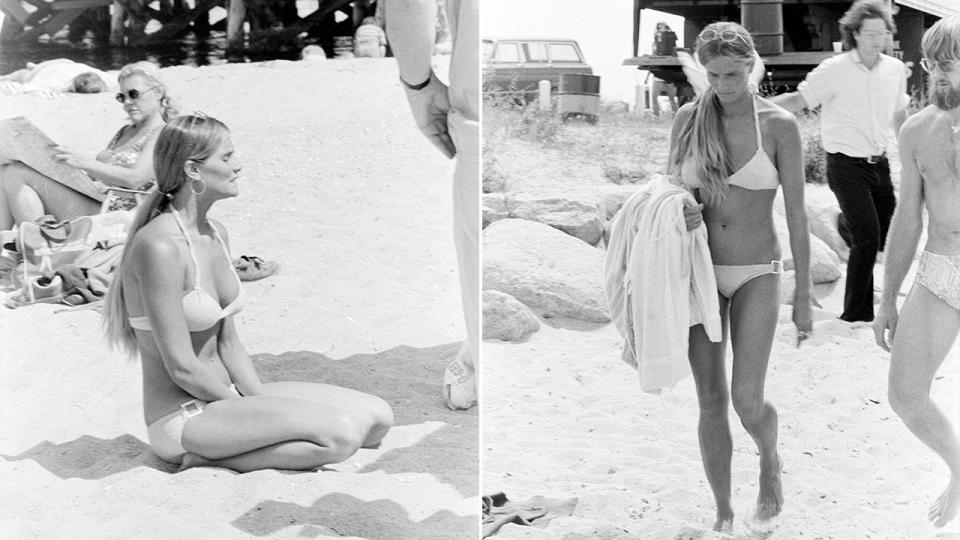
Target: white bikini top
[[200, 309], [758, 173]]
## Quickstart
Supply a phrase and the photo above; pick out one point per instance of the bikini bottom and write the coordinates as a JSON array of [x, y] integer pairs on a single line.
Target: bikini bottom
[[166, 433], [731, 278], [940, 274]]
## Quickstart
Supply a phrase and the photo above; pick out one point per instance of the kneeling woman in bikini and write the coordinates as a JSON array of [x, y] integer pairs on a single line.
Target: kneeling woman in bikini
[[173, 302], [734, 150]]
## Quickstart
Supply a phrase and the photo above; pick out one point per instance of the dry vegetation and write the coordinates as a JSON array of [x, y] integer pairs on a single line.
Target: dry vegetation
[[525, 149]]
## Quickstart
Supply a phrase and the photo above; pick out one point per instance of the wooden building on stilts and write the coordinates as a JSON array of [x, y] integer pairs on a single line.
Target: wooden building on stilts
[[792, 36]]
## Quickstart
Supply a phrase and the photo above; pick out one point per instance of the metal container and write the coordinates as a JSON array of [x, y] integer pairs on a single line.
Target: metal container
[[764, 20], [578, 94]]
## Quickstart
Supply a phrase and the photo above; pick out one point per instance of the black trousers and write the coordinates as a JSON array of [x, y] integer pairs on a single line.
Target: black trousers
[[866, 198]]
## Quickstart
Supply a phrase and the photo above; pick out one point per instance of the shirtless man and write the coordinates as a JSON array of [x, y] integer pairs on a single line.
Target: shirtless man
[[930, 321]]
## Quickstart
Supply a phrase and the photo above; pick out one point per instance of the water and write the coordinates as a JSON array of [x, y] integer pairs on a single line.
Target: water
[[188, 50]]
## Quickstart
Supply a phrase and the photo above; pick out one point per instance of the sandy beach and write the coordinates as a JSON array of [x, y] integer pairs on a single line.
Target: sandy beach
[[564, 417], [340, 188]]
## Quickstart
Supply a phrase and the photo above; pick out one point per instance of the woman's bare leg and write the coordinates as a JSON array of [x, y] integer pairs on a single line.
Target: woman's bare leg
[[371, 408], [754, 310], [713, 429], [29, 195], [926, 331], [230, 428]]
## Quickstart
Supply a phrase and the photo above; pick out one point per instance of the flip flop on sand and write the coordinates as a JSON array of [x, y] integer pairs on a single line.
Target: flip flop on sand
[[252, 268]]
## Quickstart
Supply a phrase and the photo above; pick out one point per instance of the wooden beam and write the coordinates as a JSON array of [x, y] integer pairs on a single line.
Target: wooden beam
[[61, 19], [13, 9], [235, 18], [180, 22], [63, 5], [324, 8]]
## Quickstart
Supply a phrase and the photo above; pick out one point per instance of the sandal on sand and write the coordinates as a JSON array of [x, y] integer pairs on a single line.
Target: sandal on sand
[[460, 382], [251, 268]]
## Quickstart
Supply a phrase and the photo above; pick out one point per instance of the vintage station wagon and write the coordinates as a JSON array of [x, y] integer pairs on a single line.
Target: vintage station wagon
[[515, 66]]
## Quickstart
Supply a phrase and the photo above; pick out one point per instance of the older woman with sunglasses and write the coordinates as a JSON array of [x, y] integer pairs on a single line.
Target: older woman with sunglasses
[[127, 162], [734, 150], [173, 303]]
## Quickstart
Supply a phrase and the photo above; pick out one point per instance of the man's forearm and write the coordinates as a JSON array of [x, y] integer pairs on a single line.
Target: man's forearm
[[792, 101], [901, 247], [411, 31]]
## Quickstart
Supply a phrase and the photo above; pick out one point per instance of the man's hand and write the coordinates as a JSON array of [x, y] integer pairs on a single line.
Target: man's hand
[[430, 106], [885, 320]]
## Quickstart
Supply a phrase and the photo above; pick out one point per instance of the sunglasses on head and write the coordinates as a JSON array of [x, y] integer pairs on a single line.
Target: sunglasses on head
[[946, 66], [133, 94], [728, 36]]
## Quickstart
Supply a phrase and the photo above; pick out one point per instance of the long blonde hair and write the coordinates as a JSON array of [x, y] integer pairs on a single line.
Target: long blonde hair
[[151, 72], [701, 137], [185, 138]]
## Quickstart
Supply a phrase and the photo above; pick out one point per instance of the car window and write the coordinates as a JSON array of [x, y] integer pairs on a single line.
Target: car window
[[536, 52], [506, 52], [564, 52]]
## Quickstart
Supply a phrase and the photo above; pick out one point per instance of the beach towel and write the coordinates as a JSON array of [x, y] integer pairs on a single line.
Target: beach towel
[[536, 511], [659, 282]]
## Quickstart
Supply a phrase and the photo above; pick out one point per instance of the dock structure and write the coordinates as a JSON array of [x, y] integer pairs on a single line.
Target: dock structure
[[29, 20], [792, 36]]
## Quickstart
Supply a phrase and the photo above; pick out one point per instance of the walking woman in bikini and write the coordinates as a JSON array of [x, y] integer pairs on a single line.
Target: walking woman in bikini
[[734, 150], [173, 301]]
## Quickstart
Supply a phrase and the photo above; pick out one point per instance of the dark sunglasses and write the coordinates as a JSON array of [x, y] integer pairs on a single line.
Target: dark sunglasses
[[133, 94]]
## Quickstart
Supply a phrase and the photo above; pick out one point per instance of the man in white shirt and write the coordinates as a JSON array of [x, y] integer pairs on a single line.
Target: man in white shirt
[[928, 325], [863, 95], [450, 119]]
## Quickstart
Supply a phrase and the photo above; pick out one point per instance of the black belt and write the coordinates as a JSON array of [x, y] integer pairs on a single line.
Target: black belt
[[872, 160]]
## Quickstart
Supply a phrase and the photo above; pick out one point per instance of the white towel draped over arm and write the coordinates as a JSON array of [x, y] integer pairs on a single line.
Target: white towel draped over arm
[[659, 281]]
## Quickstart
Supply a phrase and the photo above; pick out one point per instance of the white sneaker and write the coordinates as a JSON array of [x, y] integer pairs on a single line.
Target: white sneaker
[[460, 382]]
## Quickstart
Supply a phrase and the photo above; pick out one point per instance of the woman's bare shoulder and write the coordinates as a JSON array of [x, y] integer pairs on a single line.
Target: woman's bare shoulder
[[156, 241]]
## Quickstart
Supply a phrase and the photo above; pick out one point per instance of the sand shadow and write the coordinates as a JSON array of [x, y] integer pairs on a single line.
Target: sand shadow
[[339, 514], [409, 379], [92, 458]]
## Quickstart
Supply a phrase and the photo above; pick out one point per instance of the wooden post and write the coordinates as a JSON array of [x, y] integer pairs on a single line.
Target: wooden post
[[116, 23], [235, 18]]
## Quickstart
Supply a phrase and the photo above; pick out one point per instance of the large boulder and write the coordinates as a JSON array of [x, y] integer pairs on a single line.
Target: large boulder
[[496, 206], [824, 262], [506, 318], [576, 218], [552, 272], [611, 200], [822, 213]]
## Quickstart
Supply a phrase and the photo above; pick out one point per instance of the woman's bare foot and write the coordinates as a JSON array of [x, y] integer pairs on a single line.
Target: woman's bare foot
[[770, 499], [945, 508]]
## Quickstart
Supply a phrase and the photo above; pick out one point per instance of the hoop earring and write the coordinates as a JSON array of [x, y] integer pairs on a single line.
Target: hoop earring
[[193, 186]]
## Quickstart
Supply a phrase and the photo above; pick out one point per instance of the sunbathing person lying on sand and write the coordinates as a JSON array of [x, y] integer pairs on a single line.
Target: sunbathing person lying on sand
[[734, 150], [54, 77], [127, 162], [173, 302]]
